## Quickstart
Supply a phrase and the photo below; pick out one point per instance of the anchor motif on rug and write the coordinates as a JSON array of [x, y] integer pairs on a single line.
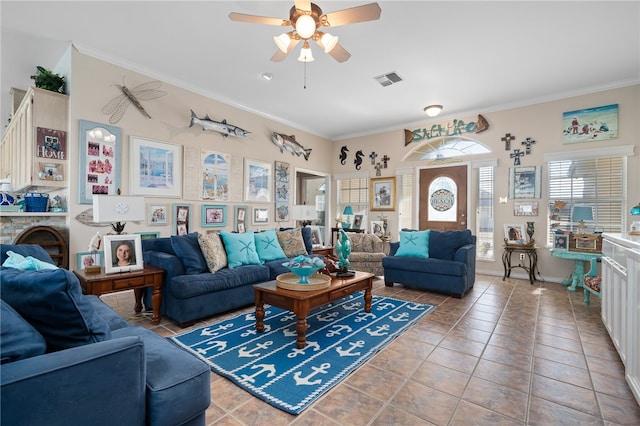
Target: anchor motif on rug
[[384, 306], [310, 345], [337, 330], [364, 316], [402, 317], [252, 331], [244, 353], [328, 318], [220, 345], [379, 330], [347, 352], [351, 306], [270, 369], [316, 370], [215, 331]]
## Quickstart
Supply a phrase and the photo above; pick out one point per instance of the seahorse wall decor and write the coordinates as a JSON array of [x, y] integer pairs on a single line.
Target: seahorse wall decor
[[358, 160], [343, 155]]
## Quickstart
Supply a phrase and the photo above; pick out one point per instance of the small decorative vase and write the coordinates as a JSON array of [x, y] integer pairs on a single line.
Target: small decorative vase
[[530, 230], [385, 225]]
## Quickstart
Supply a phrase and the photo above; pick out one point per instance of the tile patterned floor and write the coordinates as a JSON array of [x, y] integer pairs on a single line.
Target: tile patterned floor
[[508, 353]]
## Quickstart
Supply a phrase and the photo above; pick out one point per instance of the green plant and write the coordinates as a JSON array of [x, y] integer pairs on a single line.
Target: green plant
[[47, 80]]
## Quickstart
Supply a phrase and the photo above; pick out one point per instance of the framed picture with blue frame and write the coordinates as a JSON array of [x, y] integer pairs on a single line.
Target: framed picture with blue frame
[[214, 215]]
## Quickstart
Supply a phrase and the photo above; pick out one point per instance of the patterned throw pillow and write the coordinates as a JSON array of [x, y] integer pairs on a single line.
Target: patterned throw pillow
[[213, 251], [291, 242]]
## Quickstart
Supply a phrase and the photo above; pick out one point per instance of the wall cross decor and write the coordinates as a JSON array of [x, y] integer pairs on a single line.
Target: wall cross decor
[[507, 141], [385, 159], [373, 156], [516, 154], [378, 166], [527, 143]]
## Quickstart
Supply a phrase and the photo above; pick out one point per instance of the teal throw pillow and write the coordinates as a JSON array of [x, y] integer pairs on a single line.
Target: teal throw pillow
[[240, 248], [29, 263], [414, 244], [268, 246]]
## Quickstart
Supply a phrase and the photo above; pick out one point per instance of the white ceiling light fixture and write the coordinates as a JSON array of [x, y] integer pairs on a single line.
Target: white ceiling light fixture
[[283, 41], [305, 26], [433, 110], [327, 41], [305, 53]]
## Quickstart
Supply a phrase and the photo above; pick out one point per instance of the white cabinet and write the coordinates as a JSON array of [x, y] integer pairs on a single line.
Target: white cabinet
[[621, 301], [34, 146]]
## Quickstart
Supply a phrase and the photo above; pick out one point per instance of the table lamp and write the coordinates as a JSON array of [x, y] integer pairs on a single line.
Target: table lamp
[[580, 214], [634, 229], [348, 212], [118, 210], [304, 213]]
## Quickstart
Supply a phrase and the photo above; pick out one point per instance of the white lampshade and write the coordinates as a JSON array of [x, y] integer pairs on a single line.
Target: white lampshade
[[328, 42], [433, 110], [118, 209], [305, 26], [283, 41], [305, 53], [304, 212]]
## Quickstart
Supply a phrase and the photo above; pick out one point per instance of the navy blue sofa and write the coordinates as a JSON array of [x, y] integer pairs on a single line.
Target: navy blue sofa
[[449, 269], [190, 292], [69, 359]]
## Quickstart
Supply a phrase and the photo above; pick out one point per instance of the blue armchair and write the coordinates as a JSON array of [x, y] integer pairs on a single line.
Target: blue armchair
[[450, 267]]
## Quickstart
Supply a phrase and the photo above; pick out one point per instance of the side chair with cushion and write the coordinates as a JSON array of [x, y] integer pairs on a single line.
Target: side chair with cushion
[[591, 282], [367, 251]]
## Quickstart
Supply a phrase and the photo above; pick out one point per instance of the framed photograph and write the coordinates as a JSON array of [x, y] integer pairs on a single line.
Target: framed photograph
[[240, 216], [99, 153], [87, 258], [514, 234], [148, 235], [155, 168], [377, 228], [524, 182], [590, 124], [260, 215], [214, 215], [122, 253], [525, 208], [181, 218], [258, 181], [316, 235], [157, 214], [357, 221], [382, 194], [560, 241]]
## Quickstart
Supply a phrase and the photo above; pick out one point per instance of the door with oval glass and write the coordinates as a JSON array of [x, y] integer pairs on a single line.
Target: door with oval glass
[[443, 198]]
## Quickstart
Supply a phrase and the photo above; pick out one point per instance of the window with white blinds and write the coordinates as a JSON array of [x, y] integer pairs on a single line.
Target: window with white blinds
[[595, 182], [484, 216], [405, 196], [353, 192]]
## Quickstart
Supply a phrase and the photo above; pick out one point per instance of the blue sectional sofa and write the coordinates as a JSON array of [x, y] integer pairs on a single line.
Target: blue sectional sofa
[[450, 267], [69, 359], [191, 292]]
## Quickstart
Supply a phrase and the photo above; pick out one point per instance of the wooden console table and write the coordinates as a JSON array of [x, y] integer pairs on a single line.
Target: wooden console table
[[102, 283]]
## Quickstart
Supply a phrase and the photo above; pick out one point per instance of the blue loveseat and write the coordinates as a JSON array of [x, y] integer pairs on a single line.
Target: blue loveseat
[[450, 267], [191, 292], [69, 359]]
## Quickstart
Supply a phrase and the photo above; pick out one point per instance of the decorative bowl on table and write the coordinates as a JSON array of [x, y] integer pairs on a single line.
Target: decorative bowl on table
[[304, 266]]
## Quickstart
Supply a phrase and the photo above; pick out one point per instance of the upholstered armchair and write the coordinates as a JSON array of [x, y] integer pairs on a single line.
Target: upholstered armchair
[[367, 251]]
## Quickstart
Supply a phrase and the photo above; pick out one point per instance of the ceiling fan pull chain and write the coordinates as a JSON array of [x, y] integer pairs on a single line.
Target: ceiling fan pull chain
[[305, 75]]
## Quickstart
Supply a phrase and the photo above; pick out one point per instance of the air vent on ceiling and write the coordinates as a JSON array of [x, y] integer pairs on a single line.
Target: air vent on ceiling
[[388, 79]]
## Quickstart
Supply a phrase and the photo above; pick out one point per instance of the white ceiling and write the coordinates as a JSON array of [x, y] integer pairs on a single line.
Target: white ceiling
[[472, 57]]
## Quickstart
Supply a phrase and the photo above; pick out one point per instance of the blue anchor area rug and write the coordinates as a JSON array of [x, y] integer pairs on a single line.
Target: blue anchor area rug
[[340, 337]]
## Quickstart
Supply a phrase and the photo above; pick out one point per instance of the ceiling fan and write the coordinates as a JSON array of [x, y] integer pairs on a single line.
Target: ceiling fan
[[306, 18]]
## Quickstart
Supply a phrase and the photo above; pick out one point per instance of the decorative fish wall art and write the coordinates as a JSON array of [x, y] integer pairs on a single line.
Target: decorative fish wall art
[[289, 143], [217, 126]]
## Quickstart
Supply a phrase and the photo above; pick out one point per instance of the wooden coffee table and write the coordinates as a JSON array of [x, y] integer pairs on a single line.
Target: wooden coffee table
[[302, 302]]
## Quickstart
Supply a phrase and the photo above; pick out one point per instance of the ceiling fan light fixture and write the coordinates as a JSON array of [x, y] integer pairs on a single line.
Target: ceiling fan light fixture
[[305, 26], [283, 41], [328, 42], [305, 53], [433, 110]]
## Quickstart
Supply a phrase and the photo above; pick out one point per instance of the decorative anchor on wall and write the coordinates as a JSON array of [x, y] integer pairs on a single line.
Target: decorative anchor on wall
[[385, 159], [516, 154], [527, 143], [507, 141], [373, 156], [378, 166]]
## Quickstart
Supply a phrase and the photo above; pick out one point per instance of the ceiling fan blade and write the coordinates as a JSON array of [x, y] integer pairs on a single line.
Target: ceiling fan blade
[[303, 5], [253, 19], [339, 53], [367, 12], [280, 55]]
